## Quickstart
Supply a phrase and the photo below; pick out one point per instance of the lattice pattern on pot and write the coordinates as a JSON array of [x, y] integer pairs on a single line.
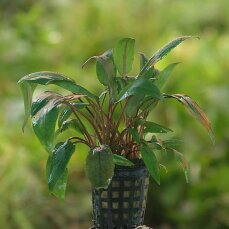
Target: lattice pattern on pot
[[123, 204]]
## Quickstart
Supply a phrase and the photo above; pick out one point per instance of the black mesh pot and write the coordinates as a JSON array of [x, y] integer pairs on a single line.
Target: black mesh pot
[[123, 204]]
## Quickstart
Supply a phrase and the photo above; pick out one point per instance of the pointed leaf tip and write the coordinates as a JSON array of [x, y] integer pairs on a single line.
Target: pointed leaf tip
[[193, 108], [162, 52], [124, 55], [151, 162]]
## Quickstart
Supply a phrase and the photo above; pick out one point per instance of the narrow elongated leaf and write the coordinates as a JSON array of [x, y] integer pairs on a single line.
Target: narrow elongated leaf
[[166, 144], [149, 73], [164, 75], [134, 134], [27, 92], [120, 160], [152, 127], [59, 160], [151, 162], [192, 107], [100, 166], [124, 55], [44, 119], [61, 184], [162, 52], [183, 162], [46, 77], [172, 143], [143, 60], [139, 87]]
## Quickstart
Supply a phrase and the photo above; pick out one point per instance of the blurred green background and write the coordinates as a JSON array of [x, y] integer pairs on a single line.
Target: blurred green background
[[59, 36]]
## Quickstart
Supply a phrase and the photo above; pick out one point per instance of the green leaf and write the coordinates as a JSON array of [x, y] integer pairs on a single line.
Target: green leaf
[[46, 77], [152, 127], [172, 143], [163, 52], [143, 60], [100, 166], [71, 123], [120, 160], [164, 75], [133, 105], [134, 134], [105, 68], [149, 73], [156, 143], [44, 119], [42, 100], [192, 107], [151, 162], [124, 55], [149, 104], [27, 92], [59, 160], [139, 87], [61, 184]]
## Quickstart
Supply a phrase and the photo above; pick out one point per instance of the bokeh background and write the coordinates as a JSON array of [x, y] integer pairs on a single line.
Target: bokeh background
[[59, 35]]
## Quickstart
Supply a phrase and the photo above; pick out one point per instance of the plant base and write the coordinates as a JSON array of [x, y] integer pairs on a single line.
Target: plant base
[[123, 204]]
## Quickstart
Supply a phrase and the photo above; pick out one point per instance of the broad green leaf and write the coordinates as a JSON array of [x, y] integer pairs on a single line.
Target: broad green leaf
[[164, 75], [152, 127], [61, 184], [139, 87], [148, 103], [27, 92], [100, 166], [162, 52], [45, 78], [59, 160], [42, 100], [105, 68], [133, 105], [44, 120], [134, 134], [120, 160], [151, 162], [124, 55], [192, 107], [101, 73]]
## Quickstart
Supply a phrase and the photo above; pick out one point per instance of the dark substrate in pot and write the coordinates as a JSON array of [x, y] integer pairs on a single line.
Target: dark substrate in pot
[[123, 204]]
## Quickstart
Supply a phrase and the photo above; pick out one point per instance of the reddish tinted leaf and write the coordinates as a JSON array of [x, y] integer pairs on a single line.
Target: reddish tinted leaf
[[193, 108]]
